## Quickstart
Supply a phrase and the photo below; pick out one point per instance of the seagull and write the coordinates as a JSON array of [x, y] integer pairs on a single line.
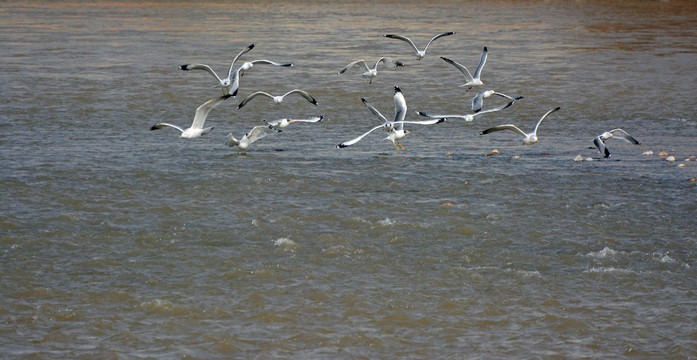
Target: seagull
[[418, 53], [599, 140], [279, 99], [478, 101], [196, 128], [253, 135], [531, 138], [468, 117], [371, 73], [230, 84], [250, 64], [477, 73], [395, 129], [281, 123]]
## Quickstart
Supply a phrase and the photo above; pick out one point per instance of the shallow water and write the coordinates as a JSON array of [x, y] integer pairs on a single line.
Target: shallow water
[[120, 242]]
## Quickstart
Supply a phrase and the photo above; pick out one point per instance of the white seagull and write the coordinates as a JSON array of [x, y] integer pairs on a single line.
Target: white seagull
[[196, 128], [531, 138], [471, 80], [281, 123], [230, 84], [418, 53], [394, 129], [279, 99], [370, 73], [468, 117], [599, 140], [253, 135], [478, 101], [250, 64]]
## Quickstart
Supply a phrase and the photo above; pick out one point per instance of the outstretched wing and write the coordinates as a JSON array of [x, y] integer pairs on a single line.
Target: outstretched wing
[[164, 125], [259, 132], [482, 61], [403, 38], [351, 142], [460, 67], [510, 127], [358, 63], [269, 62], [438, 37], [422, 122], [374, 110], [244, 51], [494, 109], [543, 117], [304, 94], [601, 146], [203, 67], [203, 110], [388, 61], [313, 119], [422, 113], [252, 96], [619, 133]]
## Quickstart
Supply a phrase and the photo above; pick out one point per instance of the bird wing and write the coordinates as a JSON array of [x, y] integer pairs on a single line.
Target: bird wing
[[482, 61], [203, 67], [458, 66], [269, 62], [619, 133], [422, 122], [510, 127], [304, 94], [353, 141], [374, 110], [508, 97], [252, 96], [203, 110], [163, 125], [495, 109], [400, 106], [359, 63], [438, 37], [244, 51], [543, 117], [478, 101], [403, 38], [439, 115], [259, 132], [313, 119], [601, 146], [388, 61]]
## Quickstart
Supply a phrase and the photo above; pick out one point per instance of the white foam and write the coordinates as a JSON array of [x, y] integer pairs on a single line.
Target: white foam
[[286, 244], [605, 252]]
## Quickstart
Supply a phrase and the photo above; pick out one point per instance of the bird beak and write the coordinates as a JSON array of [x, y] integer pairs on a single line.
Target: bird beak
[[180, 136]]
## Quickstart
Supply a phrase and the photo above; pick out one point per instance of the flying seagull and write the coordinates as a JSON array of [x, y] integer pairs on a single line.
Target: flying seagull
[[278, 99], [370, 73], [230, 84], [471, 80], [196, 128], [418, 53], [529, 139], [599, 140]]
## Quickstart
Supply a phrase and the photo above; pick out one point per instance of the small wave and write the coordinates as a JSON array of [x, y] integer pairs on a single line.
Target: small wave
[[605, 252], [610, 269], [286, 244], [387, 222]]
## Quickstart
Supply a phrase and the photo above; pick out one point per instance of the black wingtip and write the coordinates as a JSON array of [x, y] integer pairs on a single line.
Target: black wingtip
[[519, 97], [398, 63], [422, 113], [227, 96], [251, 46], [154, 127], [441, 120], [485, 49], [363, 100], [234, 93], [557, 108], [340, 146], [184, 67], [397, 89]]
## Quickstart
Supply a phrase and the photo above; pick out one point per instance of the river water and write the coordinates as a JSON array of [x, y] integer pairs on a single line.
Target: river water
[[121, 242]]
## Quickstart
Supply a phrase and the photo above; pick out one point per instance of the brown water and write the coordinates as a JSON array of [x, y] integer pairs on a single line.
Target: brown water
[[119, 242]]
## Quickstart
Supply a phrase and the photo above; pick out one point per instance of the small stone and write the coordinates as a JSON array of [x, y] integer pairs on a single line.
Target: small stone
[[681, 165], [578, 158], [693, 179], [589, 159], [516, 156], [448, 203], [647, 153], [662, 154], [448, 153], [670, 158], [493, 152]]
